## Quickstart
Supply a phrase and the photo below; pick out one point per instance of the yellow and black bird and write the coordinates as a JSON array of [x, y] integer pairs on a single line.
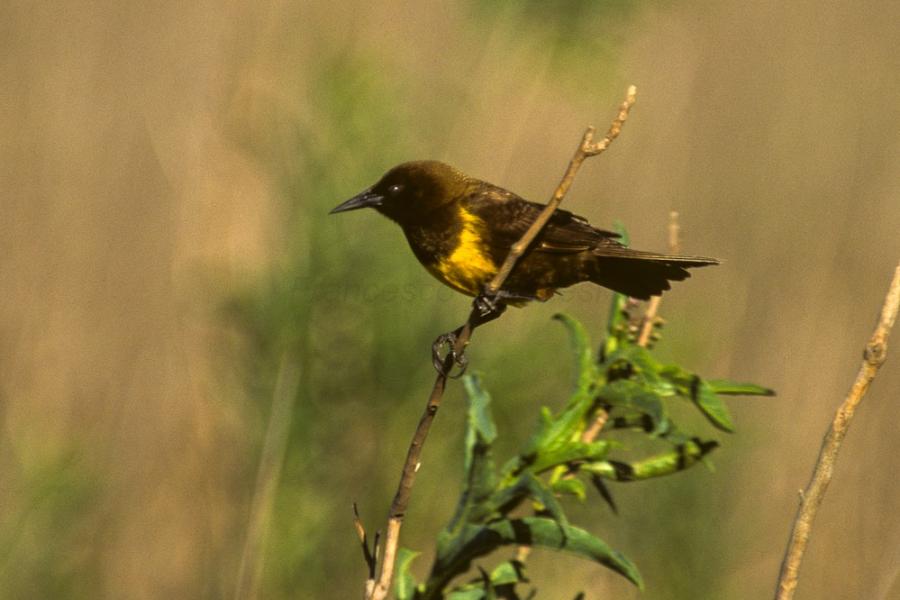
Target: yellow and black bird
[[461, 229]]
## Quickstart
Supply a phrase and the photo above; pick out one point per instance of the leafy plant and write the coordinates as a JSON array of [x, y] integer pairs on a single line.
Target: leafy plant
[[621, 386]]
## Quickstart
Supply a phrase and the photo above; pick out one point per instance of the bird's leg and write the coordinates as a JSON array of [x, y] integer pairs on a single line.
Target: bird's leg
[[459, 358], [491, 306], [486, 309], [487, 305]]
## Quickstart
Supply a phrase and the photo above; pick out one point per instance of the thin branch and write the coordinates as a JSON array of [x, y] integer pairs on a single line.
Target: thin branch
[[400, 503], [370, 555], [650, 319], [811, 498], [586, 149], [596, 426]]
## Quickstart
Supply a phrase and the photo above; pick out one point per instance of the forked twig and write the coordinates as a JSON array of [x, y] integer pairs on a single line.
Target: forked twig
[[370, 555], [586, 149], [811, 498]]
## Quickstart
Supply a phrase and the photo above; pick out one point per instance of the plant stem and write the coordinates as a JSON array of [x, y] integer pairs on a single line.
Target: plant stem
[[811, 498]]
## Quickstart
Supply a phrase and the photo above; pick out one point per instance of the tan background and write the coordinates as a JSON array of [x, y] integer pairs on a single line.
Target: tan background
[[144, 155]]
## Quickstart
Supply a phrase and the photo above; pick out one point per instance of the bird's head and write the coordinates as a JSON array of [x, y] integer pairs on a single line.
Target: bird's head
[[410, 190]]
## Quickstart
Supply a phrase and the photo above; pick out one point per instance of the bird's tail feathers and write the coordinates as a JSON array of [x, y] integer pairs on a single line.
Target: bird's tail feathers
[[642, 274], [629, 254]]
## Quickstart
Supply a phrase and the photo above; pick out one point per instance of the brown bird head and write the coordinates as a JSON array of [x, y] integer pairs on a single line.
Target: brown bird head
[[410, 190]]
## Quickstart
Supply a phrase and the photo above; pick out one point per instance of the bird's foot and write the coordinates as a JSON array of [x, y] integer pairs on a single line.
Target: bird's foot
[[491, 306], [487, 307], [444, 363]]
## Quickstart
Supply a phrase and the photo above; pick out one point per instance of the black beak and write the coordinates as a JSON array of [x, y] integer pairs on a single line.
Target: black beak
[[361, 200]]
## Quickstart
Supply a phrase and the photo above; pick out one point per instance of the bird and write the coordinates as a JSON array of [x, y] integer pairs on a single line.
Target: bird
[[461, 229]]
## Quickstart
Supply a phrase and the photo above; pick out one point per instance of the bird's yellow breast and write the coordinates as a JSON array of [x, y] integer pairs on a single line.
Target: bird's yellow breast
[[468, 266]]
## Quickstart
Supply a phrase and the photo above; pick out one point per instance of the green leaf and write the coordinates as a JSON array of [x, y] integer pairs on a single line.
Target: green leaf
[[475, 541], [734, 388], [542, 494], [691, 386], [566, 452], [480, 478], [581, 346], [677, 380], [502, 501], [711, 405], [540, 531], [630, 394], [506, 574], [481, 430], [571, 486], [682, 457], [509, 572], [554, 440], [677, 437], [643, 367], [616, 324], [508, 497], [480, 435], [405, 587]]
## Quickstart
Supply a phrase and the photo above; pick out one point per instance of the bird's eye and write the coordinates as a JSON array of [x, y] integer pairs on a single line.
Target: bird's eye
[[395, 189]]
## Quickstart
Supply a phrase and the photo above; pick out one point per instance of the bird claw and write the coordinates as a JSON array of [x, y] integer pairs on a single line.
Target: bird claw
[[491, 306], [487, 307], [440, 361], [488, 304]]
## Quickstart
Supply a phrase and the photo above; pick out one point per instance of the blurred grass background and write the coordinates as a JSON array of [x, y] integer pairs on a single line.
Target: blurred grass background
[[165, 174]]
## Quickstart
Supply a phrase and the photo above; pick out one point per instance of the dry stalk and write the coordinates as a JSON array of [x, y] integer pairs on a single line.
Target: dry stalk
[[650, 318], [369, 554], [811, 497]]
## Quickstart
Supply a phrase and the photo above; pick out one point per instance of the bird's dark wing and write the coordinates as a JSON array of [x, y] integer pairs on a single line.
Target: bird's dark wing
[[508, 217]]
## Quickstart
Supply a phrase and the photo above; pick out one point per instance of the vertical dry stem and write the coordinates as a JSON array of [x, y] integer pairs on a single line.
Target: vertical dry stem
[[873, 358], [649, 319]]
